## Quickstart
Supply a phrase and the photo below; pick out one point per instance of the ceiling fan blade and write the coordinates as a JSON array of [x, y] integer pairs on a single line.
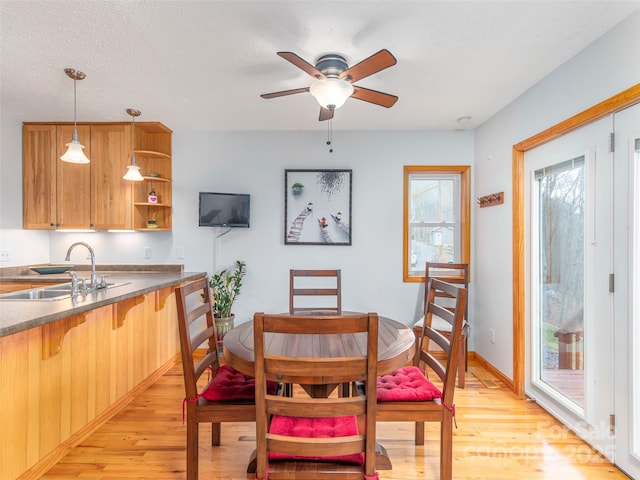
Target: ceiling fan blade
[[325, 114], [376, 62], [302, 64], [373, 96], [285, 92]]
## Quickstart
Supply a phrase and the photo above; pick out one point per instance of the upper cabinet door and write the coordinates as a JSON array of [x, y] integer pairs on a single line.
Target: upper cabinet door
[[73, 185], [111, 194], [39, 177]]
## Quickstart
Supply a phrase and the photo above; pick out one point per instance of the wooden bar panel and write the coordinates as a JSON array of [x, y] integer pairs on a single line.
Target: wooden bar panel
[[50, 403]]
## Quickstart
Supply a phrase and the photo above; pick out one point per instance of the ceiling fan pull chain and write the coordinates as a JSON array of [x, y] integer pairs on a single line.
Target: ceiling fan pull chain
[[330, 135]]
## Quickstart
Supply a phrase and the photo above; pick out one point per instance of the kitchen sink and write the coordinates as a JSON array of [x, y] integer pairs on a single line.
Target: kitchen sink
[[54, 292]]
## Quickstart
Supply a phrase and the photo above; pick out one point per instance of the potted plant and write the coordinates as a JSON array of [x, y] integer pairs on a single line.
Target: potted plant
[[225, 288]]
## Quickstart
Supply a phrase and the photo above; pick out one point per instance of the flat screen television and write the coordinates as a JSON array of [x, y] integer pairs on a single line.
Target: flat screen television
[[224, 209]]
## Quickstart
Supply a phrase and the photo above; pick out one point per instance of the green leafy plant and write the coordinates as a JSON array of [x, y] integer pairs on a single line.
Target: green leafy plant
[[225, 288]]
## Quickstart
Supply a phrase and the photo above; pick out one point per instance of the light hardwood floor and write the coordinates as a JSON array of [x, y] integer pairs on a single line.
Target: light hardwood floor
[[498, 437]]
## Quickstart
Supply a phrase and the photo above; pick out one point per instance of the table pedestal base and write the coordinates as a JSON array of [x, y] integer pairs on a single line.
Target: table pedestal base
[[383, 462]]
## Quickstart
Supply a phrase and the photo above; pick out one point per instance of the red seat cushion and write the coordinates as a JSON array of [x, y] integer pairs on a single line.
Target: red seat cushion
[[407, 384], [230, 384], [315, 428]]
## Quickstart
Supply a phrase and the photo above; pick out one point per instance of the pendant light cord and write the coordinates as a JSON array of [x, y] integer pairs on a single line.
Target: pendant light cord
[[74, 103], [75, 123], [133, 139]]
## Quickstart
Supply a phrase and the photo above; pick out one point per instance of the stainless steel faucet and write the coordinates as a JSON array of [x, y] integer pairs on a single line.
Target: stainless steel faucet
[[94, 278]]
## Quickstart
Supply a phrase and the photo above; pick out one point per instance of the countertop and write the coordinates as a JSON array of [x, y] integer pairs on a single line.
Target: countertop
[[19, 315]]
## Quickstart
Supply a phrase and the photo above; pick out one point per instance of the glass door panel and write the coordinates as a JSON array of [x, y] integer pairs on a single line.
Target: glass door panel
[[560, 277], [569, 308]]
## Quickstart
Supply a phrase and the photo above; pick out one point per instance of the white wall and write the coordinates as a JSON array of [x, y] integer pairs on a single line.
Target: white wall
[[254, 162], [606, 67]]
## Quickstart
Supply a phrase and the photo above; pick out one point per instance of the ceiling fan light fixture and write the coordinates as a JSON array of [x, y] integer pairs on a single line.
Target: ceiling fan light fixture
[[74, 153], [331, 93]]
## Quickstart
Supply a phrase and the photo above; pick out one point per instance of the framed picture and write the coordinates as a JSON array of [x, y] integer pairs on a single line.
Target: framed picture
[[317, 207]]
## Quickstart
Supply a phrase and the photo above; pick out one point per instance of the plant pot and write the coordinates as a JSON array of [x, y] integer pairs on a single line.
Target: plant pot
[[223, 325]]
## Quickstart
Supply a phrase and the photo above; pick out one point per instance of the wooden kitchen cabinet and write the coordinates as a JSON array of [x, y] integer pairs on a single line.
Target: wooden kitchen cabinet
[[72, 182], [39, 176], [60, 195], [110, 193]]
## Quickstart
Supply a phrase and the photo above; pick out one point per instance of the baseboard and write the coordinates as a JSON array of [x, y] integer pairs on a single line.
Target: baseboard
[[47, 462], [491, 369]]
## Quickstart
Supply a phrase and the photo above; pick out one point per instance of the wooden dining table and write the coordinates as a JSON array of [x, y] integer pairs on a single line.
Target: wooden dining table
[[395, 348]]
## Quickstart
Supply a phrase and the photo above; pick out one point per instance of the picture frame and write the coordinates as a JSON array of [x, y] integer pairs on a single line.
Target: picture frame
[[317, 207]]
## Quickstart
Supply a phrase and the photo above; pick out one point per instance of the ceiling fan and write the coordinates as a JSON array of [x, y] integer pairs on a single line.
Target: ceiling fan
[[334, 80]]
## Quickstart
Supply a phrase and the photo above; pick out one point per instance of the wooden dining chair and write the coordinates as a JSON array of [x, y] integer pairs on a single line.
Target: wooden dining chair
[[316, 438], [323, 285], [458, 274], [407, 395], [224, 395]]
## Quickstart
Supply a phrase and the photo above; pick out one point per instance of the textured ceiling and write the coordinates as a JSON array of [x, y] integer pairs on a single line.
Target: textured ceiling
[[202, 65]]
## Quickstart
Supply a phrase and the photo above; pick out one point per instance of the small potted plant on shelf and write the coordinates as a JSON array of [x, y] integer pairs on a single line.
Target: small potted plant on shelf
[[225, 288]]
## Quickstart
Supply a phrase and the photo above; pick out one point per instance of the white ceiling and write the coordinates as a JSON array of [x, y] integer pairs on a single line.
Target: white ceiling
[[201, 65]]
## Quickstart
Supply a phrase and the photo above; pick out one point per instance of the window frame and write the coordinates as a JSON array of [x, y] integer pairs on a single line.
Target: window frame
[[465, 212]]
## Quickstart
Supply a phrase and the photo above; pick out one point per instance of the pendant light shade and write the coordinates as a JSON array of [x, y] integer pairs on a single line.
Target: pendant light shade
[[74, 153], [133, 170], [331, 93]]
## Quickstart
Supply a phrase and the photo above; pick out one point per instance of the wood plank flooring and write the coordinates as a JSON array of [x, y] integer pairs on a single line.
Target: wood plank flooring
[[499, 437]]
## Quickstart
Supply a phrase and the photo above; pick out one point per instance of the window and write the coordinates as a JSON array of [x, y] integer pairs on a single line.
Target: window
[[436, 217]]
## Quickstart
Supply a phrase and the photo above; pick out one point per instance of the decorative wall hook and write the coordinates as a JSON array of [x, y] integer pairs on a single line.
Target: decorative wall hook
[[491, 200]]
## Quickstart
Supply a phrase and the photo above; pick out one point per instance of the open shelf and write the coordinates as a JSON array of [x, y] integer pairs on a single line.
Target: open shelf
[[153, 155], [156, 179]]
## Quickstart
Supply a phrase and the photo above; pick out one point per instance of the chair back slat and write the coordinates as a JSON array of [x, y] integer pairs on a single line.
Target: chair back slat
[[314, 409], [314, 324], [315, 290], [453, 273], [320, 446]]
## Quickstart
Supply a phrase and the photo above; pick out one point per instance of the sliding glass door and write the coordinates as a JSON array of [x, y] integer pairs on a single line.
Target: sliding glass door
[[569, 220], [627, 290]]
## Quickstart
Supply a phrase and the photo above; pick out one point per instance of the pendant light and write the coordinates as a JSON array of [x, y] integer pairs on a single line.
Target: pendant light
[[74, 153], [133, 170]]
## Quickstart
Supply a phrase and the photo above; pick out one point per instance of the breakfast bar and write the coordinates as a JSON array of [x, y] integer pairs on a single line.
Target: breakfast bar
[[75, 361]]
